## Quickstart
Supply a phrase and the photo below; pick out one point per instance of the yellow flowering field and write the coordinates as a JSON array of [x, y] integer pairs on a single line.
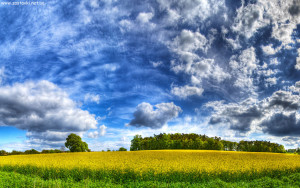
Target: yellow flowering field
[[161, 161], [154, 167]]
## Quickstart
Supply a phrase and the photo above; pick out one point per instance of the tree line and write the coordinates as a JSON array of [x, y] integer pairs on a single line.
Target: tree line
[[27, 152], [73, 142], [200, 142]]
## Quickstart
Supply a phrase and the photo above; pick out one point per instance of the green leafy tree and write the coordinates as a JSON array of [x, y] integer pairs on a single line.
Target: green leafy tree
[[14, 152], [75, 144], [122, 149], [136, 143], [3, 152], [32, 151]]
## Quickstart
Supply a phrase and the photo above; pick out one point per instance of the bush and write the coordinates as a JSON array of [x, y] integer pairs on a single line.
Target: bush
[[122, 149]]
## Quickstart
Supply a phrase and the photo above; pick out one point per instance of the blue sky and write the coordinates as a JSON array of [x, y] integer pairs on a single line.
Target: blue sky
[[108, 70]]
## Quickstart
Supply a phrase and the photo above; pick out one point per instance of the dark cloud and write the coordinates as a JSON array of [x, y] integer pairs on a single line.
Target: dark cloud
[[216, 120], [44, 110], [294, 9], [146, 116], [251, 19], [270, 114], [280, 124], [239, 118], [285, 100]]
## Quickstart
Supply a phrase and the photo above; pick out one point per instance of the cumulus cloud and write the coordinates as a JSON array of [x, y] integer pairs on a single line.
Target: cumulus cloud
[[243, 67], [276, 115], [190, 11], [144, 17], [281, 124], [285, 100], [271, 81], [100, 132], [154, 116], [296, 87], [269, 50], [186, 91], [249, 19], [238, 116], [187, 47], [282, 14], [44, 110], [189, 41], [91, 98]]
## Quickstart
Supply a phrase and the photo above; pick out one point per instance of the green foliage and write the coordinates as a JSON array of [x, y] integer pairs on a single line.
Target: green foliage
[[136, 143], [3, 152], [14, 152], [260, 146], [51, 151], [200, 142], [75, 144], [32, 151], [122, 149]]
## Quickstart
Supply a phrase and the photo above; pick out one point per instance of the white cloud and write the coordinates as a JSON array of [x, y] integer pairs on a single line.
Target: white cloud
[[276, 115], [100, 132], [146, 116], [141, 23], [189, 41], [188, 46], [249, 19], [42, 108], [295, 88], [186, 91], [294, 142], [274, 61], [297, 66], [126, 25], [271, 81], [92, 98], [144, 17], [191, 11], [156, 64], [281, 14], [243, 66], [269, 50]]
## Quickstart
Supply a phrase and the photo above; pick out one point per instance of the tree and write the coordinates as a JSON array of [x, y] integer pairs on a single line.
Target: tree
[[32, 151], [136, 143], [3, 152], [75, 144], [122, 149]]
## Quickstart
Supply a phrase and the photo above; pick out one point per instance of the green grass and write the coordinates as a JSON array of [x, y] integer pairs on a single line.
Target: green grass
[[12, 179], [80, 174]]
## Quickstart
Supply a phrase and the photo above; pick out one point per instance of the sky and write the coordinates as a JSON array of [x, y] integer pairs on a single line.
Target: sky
[[108, 70]]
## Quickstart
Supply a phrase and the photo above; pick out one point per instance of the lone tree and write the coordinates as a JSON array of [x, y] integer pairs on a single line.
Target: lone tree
[[75, 144]]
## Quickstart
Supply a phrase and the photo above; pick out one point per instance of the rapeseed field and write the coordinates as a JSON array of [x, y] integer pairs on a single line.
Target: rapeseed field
[[158, 165]]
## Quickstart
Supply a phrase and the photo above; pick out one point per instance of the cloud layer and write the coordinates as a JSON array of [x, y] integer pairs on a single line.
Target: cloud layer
[[44, 110], [276, 115], [148, 116]]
